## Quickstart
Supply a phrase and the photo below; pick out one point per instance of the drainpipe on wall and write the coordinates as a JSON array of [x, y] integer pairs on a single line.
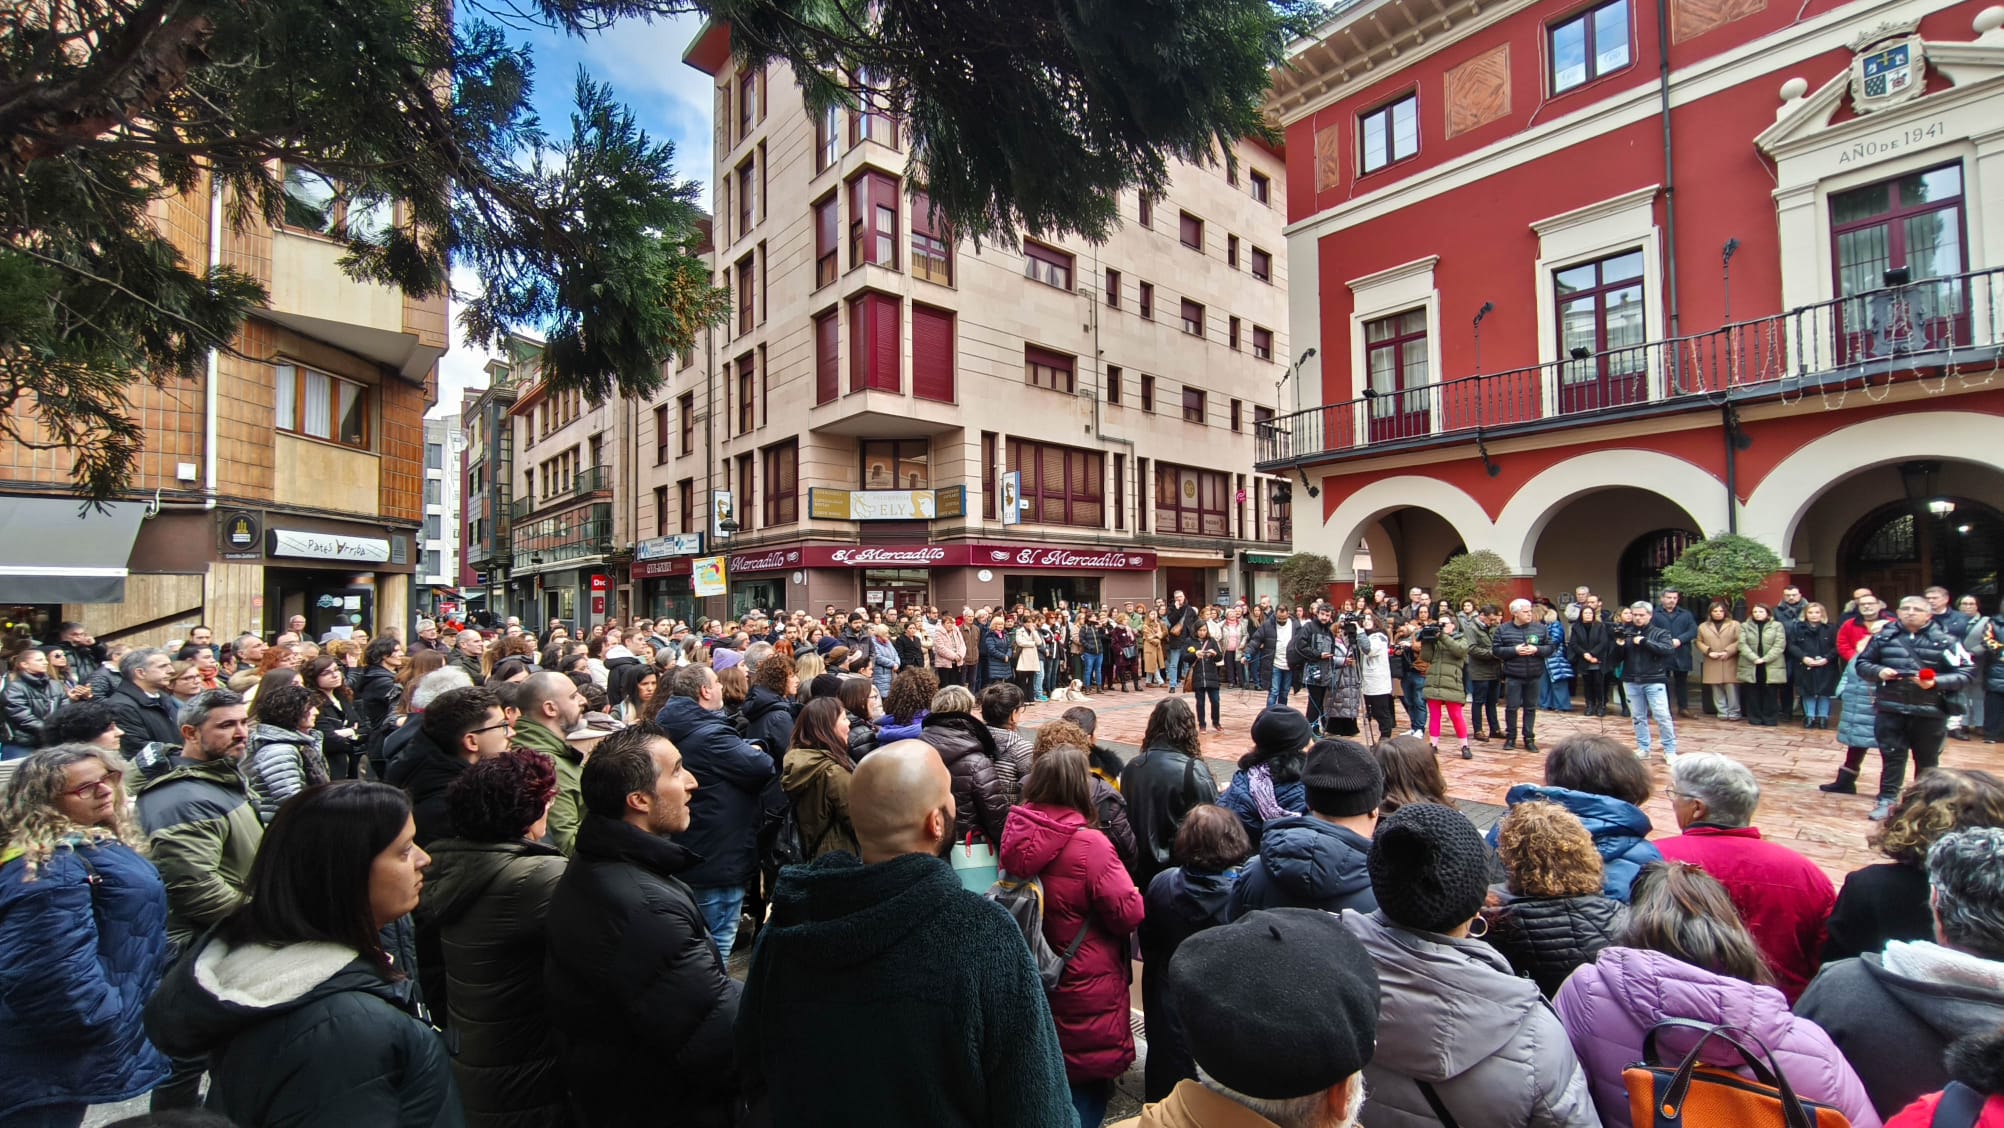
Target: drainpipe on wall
[[1669, 162], [210, 399]]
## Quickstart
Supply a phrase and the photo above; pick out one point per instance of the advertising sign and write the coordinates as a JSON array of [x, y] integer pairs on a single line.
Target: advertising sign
[[708, 578], [664, 548], [825, 504], [1011, 506], [722, 509]]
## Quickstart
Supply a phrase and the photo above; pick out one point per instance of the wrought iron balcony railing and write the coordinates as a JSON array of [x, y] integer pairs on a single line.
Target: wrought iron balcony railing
[[1936, 328]]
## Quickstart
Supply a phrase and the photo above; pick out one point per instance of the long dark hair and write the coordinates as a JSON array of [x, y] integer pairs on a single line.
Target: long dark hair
[[855, 696], [310, 881], [310, 675], [815, 728], [1172, 725]]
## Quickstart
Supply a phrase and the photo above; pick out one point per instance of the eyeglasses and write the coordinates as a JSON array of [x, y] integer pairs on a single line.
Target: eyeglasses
[[102, 785], [491, 728]]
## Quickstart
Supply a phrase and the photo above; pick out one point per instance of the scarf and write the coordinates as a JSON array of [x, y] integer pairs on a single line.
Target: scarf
[[1260, 782]]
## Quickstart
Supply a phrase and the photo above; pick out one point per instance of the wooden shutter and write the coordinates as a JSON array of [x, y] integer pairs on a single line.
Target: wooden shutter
[[932, 353], [827, 357], [859, 343]]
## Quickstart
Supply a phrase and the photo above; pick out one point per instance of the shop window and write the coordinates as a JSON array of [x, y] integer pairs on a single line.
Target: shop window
[[932, 249], [1191, 501], [1589, 45], [320, 406], [1048, 265], [896, 464], [1046, 369], [1063, 485], [782, 483], [1389, 134]]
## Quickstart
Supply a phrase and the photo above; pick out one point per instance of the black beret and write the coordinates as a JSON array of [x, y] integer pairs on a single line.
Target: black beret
[[1342, 779], [1279, 1004], [1429, 869], [1280, 729]]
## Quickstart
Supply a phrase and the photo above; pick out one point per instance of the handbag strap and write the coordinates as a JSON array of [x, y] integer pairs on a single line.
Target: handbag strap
[[1767, 1072], [1959, 1107], [1434, 1102]]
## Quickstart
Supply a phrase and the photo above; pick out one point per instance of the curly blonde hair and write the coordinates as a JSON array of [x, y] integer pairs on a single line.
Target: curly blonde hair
[[1059, 734], [30, 820], [1548, 852], [1941, 800]]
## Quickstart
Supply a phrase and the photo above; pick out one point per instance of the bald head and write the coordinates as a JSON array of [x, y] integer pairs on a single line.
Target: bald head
[[901, 801], [551, 700]]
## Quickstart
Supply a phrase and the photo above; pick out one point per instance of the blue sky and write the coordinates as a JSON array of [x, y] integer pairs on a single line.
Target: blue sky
[[671, 101]]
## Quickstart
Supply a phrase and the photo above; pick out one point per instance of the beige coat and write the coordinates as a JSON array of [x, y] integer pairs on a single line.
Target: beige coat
[[1151, 647], [1725, 638]]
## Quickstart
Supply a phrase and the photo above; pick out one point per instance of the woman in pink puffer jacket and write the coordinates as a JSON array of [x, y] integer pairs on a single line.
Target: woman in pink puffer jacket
[[1685, 954]]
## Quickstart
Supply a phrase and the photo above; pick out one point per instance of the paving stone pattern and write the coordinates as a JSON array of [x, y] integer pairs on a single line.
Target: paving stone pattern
[[1788, 760]]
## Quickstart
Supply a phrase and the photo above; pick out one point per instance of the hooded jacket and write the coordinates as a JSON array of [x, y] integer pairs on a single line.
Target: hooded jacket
[[1784, 897], [1305, 863], [303, 1036], [1545, 938], [1893, 1027], [769, 720], [960, 1030], [28, 701], [1288, 794], [818, 788], [1160, 786], [1179, 903], [968, 750], [203, 834], [735, 782], [568, 807], [1452, 1014], [487, 903], [1610, 1004], [425, 771], [82, 947], [636, 989], [1976, 1062], [280, 764], [1620, 831], [1085, 888]]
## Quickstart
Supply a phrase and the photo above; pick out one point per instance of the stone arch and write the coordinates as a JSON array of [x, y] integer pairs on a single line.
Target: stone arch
[[1684, 484], [1453, 505], [1774, 511]]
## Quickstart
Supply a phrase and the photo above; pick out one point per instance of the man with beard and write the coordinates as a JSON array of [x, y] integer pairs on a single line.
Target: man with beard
[[961, 1031]]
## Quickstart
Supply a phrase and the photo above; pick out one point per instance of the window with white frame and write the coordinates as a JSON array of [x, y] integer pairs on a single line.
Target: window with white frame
[[320, 406]]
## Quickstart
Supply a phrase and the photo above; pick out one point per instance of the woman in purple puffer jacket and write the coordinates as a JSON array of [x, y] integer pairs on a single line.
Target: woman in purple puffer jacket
[[1685, 954]]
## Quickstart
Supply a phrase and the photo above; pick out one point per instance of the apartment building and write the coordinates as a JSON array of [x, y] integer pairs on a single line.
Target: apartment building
[[288, 479], [1590, 281], [438, 567], [895, 416]]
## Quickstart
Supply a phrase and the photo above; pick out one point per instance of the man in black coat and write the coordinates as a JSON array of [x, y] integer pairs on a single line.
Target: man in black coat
[[1916, 665], [1683, 632], [140, 702], [1179, 630], [636, 987], [1521, 645], [960, 1031], [458, 728]]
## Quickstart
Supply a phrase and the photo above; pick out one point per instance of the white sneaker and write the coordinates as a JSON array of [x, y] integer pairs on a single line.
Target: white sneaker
[[1669, 759], [1642, 754], [1417, 732]]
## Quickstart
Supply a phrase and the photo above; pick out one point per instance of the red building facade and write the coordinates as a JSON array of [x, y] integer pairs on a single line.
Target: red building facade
[[1585, 282]]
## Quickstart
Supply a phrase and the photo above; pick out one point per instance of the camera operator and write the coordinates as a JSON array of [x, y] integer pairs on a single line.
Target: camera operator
[[1643, 649]]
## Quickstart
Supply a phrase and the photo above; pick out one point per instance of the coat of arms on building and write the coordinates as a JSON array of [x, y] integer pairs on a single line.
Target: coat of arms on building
[[1889, 67]]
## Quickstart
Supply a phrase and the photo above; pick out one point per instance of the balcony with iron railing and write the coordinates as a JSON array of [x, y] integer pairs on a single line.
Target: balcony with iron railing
[[1935, 329], [586, 483], [583, 532]]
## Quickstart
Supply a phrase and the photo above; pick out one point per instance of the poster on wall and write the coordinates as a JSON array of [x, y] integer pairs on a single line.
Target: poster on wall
[[723, 515], [1011, 506], [708, 577]]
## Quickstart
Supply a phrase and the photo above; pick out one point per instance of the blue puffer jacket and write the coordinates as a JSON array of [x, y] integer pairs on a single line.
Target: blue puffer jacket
[[1290, 796], [1305, 863], [1620, 832], [736, 785], [1557, 667], [76, 970], [1857, 724]]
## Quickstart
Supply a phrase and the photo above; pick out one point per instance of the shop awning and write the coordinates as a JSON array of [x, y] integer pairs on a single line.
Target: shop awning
[[55, 550]]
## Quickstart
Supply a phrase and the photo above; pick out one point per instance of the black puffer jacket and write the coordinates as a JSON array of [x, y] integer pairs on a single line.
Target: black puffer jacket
[[485, 904], [424, 771], [1907, 654], [635, 987], [1504, 641], [29, 699], [769, 720], [968, 749], [312, 1037], [1545, 938]]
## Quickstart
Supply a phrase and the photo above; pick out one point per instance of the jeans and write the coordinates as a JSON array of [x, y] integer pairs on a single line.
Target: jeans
[[1206, 693], [1175, 669], [1089, 1100], [1816, 708], [1482, 704], [1277, 694], [1900, 736], [721, 905], [1651, 700], [1089, 669], [12, 751], [1415, 684], [1521, 694]]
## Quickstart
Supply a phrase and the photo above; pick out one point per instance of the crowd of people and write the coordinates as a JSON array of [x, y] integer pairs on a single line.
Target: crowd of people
[[503, 880]]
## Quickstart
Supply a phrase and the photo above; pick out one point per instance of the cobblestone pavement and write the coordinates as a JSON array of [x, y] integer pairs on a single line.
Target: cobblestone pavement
[[1789, 761]]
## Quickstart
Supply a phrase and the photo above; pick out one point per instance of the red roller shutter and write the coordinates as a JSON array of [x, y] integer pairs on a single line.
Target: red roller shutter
[[827, 357], [887, 347], [932, 353]]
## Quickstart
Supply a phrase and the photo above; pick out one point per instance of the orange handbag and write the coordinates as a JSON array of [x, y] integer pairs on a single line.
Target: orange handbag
[[1697, 1095]]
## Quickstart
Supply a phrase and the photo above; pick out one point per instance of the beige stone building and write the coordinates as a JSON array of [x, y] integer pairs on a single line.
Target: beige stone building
[[285, 481], [884, 391]]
